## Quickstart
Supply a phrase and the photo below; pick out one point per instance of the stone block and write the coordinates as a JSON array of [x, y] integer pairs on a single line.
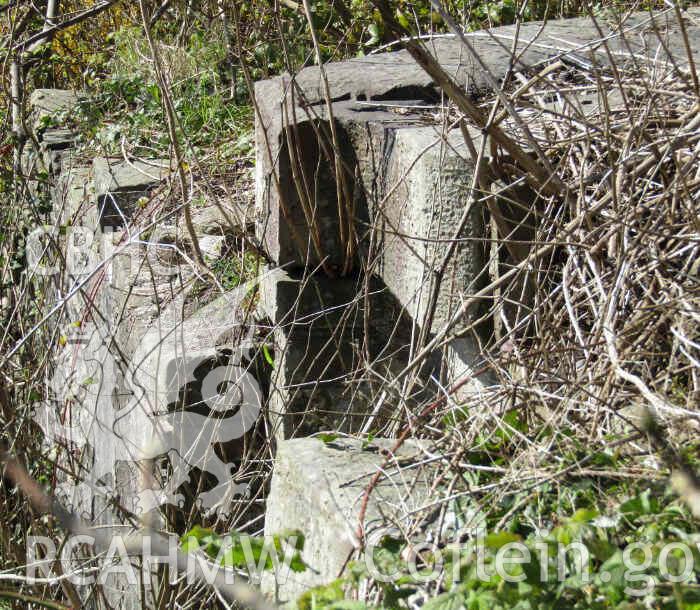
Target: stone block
[[55, 144], [317, 331], [75, 219], [120, 184], [211, 246], [47, 103], [415, 183], [299, 215], [317, 488], [293, 124], [428, 181], [73, 198], [221, 219], [189, 382], [410, 180]]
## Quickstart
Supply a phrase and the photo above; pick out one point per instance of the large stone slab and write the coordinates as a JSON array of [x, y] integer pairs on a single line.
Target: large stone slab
[[412, 187], [317, 488], [47, 103], [119, 184], [292, 128]]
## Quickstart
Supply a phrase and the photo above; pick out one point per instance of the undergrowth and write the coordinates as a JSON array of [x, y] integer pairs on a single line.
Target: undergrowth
[[123, 110]]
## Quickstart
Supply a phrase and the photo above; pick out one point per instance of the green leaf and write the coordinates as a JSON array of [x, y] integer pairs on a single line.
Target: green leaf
[[402, 19], [322, 596], [235, 557], [498, 539], [201, 538], [584, 515], [387, 556], [190, 545], [327, 437], [511, 423], [297, 535], [643, 504], [199, 533], [268, 356], [373, 29], [601, 459], [296, 539]]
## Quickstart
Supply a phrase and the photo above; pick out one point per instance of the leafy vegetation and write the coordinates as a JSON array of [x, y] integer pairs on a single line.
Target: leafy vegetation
[[125, 106], [252, 553], [535, 563]]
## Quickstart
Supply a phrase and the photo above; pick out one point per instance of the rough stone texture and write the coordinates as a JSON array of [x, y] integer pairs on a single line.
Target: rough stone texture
[[410, 181], [215, 220], [74, 211], [73, 198], [317, 488], [120, 184], [46, 103], [317, 333], [166, 374], [55, 145], [429, 181], [294, 111], [85, 367]]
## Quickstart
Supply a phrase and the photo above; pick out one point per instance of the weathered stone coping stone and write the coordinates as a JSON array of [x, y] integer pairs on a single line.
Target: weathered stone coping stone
[[317, 488], [293, 110], [396, 76]]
